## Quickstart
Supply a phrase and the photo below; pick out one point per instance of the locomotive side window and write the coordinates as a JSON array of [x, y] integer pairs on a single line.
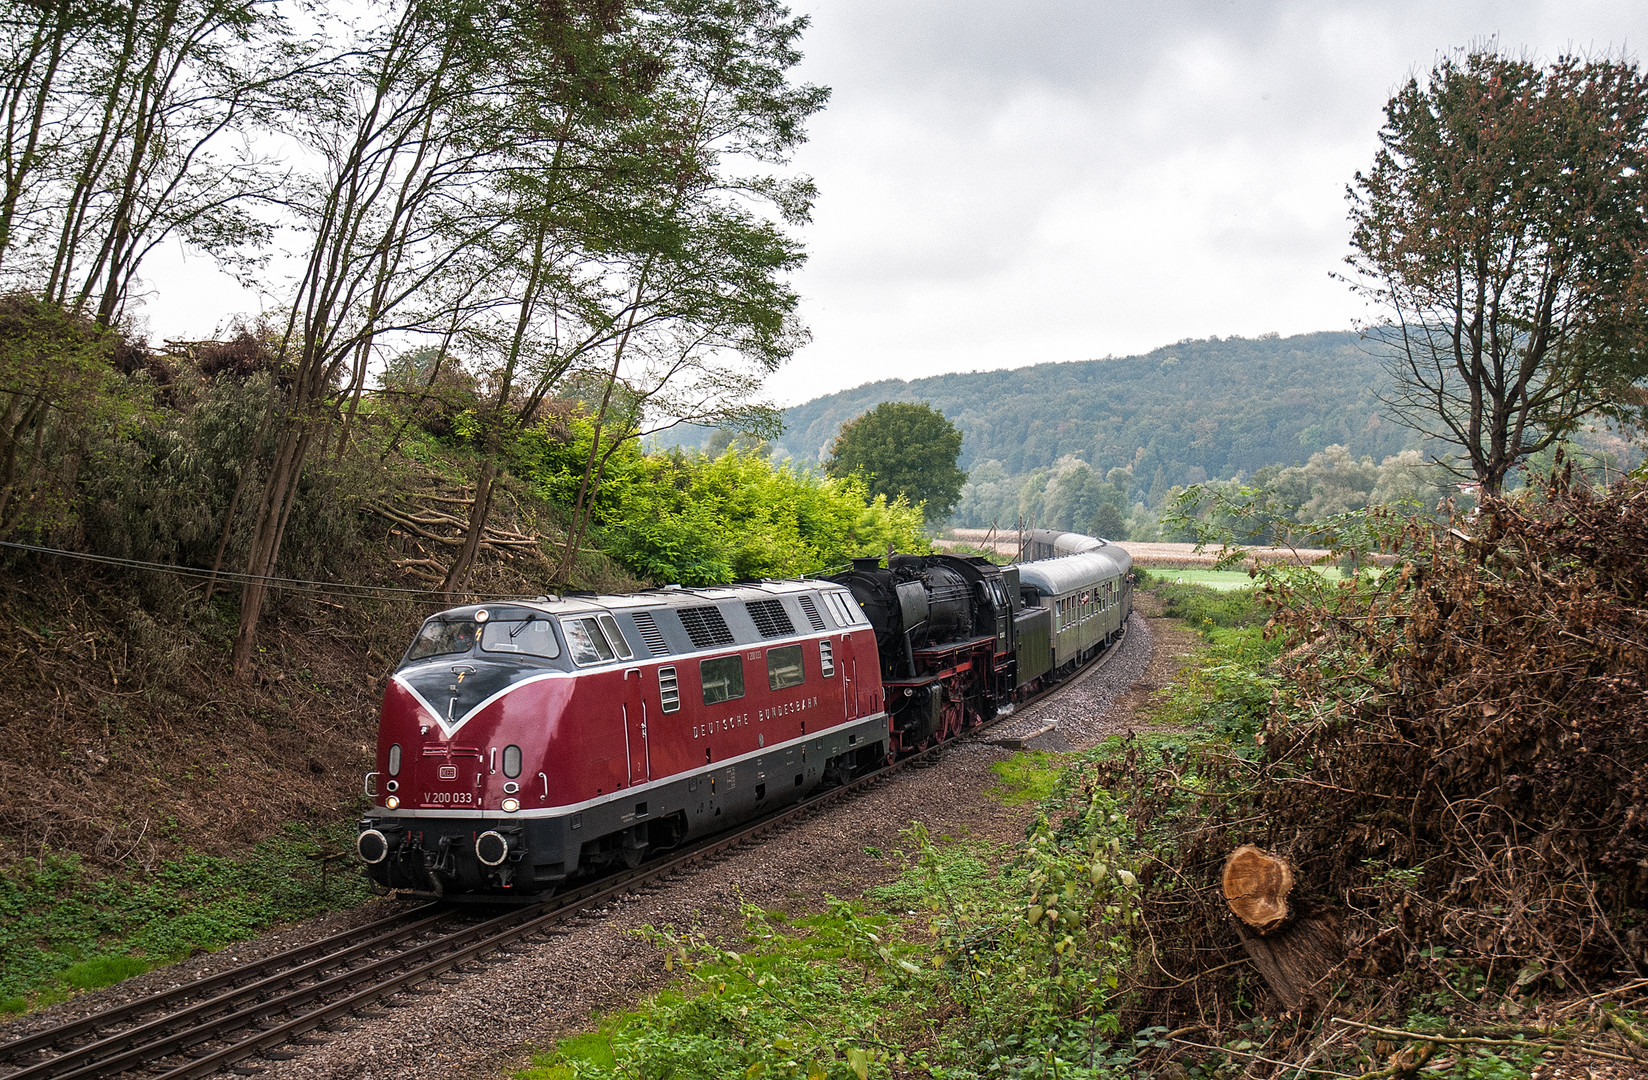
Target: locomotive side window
[[846, 610], [669, 689], [585, 641], [723, 679], [532, 636], [616, 636], [784, 668], [442, 637], [826, 658], [512, 761], [395, 759]]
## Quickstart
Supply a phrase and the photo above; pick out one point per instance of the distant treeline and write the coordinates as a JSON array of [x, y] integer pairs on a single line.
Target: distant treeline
[[1182, 414]]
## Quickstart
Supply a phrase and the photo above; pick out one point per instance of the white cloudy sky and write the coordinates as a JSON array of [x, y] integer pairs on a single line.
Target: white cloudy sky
[[1017, 181]]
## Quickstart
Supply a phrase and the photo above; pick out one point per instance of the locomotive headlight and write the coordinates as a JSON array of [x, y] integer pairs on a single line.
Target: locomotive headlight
[[392, 803], [511, 805]]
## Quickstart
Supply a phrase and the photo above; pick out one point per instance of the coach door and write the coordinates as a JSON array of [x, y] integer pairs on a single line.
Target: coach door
[[635, 727]]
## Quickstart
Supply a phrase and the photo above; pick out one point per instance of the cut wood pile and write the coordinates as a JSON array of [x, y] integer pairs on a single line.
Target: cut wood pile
[[430, 519], [1452, 783]]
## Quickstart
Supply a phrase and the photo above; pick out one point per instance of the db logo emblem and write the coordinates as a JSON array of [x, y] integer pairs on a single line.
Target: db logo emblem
[[449, 772]]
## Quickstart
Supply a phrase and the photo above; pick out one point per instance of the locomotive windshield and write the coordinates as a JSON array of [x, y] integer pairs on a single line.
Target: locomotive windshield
[[442, 637], [531, 636]]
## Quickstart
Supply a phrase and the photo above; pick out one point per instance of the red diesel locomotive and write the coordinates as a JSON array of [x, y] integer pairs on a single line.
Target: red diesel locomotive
[[524, 742]]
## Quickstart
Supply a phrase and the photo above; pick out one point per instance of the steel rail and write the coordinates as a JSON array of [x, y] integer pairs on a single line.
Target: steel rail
[[266, 988], [341, 993], [284, 960]]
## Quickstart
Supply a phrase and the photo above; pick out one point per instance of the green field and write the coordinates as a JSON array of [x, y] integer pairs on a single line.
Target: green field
[[1223, 580]]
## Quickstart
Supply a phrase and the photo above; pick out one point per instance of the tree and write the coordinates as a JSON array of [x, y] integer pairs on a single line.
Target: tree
[[903, 449], [127, 125], [1502, 232]]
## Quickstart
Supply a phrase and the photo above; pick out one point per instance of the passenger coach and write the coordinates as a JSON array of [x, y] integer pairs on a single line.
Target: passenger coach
[[1087, 596]]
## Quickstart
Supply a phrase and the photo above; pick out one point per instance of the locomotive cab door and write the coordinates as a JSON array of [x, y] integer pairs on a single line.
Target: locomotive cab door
[[635, 727], [849, 676]]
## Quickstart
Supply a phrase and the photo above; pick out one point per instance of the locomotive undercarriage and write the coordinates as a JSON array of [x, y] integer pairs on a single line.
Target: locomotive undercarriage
[[951, 692], [497, 856]]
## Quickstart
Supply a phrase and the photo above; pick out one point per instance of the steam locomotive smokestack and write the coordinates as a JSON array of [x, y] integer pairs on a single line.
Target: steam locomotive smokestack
[[866, 564]]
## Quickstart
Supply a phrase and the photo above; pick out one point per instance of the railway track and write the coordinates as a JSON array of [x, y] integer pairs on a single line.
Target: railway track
[[218, 1021]]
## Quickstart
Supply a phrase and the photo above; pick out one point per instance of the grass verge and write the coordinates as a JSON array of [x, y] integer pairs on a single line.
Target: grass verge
[[62, 932]]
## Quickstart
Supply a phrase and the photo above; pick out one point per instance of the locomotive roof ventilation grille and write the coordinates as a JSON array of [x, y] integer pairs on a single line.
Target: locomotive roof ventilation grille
[[770, 618], [705, 626], [811, 610], [648, 626]]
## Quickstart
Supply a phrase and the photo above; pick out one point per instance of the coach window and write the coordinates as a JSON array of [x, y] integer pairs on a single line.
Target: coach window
[[585, 641], [784, 668], [531, 636], [722, 679]]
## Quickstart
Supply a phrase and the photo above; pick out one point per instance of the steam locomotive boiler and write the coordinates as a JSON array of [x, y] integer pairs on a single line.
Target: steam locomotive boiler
[[950, 631]]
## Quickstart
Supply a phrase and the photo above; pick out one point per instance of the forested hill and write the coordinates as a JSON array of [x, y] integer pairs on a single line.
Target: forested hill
[[1180, 414]]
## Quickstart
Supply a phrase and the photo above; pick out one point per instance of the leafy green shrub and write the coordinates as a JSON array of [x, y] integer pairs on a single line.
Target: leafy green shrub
[[680, 518], [1204, 608]]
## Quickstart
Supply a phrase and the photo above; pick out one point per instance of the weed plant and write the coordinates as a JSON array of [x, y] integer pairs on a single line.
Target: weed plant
[[61, 932], [958, 969], [1206, 609]]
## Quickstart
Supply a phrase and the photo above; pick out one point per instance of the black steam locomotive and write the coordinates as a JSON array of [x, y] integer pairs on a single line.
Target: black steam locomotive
[[961, 639]]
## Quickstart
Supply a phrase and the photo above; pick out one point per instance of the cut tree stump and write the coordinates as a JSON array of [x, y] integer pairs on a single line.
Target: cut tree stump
[[1293, 949], [1256, 886]]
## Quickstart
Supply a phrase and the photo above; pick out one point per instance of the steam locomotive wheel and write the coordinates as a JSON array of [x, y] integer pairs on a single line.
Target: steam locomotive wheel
[[955, 713]]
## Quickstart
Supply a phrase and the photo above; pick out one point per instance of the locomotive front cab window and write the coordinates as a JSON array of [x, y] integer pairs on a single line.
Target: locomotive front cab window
[[785, 668], [442, 637], [722, 679], [844, 608], [532, 636], [585, 641]]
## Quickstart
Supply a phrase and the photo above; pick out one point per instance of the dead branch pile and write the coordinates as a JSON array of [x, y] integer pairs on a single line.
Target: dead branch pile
[[1465, 744], [427, 520], [1454, 762]]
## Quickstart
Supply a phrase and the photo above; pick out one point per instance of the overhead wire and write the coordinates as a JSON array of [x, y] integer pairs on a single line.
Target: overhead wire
[[304, 585]]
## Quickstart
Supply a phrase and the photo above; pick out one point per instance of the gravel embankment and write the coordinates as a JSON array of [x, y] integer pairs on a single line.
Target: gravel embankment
[[484, 1022]]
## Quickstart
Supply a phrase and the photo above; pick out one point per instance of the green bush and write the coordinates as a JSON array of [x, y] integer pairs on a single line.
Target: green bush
[[1206, 609], [685, 518]]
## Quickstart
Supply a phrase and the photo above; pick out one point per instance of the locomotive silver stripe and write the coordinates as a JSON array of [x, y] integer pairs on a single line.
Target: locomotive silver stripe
[[451, 728], [879, 721]]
